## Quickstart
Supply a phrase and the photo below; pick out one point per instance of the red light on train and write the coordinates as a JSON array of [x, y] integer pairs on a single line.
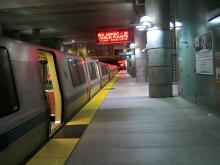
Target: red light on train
[[121, 61], [114, 36], [82, 62]]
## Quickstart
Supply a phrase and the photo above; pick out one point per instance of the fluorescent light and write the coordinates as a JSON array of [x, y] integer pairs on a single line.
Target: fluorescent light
[[145, 19], [171, 25], [215, 20], [132, 45], [141, 27], [177, 24], [148, 24], [143, 50], [154, 28]]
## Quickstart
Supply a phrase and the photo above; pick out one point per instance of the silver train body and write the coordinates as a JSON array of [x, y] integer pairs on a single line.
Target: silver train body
[[40, 90]]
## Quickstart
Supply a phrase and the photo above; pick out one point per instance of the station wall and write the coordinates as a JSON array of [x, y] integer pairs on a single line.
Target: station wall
[[195, 15]]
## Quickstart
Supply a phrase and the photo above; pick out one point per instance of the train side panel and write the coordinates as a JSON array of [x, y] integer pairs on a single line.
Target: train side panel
[[93, 76], [75, 96], [24, 131], [111, 71], [104, 73]]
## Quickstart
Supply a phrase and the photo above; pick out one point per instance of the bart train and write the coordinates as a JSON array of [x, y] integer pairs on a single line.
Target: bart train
[[40, 90]]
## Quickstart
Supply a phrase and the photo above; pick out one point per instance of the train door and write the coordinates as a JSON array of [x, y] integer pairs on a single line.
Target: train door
[[52, 89]]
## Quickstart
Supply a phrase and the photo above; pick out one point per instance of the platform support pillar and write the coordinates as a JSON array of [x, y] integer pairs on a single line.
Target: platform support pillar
[[36, 36], [159, 49], [140, 56]]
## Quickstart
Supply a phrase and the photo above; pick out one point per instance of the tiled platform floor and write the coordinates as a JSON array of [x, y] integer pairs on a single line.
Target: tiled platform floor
[[133, 129]]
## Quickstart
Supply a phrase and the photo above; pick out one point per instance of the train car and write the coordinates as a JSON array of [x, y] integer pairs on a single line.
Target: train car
[[66, 92], [111, 72], [40, 90], [24, 109], [104, 73], [115, 70], [93, 76]]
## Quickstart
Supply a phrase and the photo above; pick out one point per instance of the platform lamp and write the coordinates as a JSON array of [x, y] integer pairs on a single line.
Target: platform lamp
[[215, 20], [145, 23]]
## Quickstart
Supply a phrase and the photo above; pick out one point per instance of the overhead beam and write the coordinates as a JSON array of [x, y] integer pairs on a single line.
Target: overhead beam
[[65, 8], [38, 3], [66, 24], [69, 18]]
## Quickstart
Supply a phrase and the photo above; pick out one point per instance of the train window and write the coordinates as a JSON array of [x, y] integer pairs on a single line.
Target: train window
[[74, 72], [92, 71], [81, 73], [104, 69], [8, 103]]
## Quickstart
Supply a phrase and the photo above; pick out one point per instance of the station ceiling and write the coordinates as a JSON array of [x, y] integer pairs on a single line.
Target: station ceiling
[[66, 19]]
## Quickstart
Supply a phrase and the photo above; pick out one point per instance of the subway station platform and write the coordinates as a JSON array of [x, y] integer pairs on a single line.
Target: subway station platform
[[131, 128]]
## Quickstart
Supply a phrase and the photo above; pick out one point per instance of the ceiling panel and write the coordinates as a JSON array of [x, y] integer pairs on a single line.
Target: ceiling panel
[[65, 18]]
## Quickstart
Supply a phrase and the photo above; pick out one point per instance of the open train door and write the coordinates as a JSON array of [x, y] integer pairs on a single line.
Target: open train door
[[51, 88]]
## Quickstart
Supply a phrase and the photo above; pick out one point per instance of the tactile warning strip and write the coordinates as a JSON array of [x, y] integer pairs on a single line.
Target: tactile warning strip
[[56, 151], [87, 113]]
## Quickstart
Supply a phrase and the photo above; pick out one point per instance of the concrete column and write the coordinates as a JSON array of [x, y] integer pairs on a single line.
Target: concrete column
[[36, 36], [140, 57], [159, 49], [133, 63]]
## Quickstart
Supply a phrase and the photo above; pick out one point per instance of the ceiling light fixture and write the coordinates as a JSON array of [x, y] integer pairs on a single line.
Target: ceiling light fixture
[[141, 27], [215, 19], [145, 20], [145, 23], [178, 25], [133, 46]]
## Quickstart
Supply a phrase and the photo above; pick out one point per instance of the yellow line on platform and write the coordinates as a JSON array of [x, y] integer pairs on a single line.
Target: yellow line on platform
[[56, 151], [87, 113]]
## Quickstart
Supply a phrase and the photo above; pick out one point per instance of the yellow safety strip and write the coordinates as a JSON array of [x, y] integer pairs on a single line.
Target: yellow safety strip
[[87, 113], [56, 151]]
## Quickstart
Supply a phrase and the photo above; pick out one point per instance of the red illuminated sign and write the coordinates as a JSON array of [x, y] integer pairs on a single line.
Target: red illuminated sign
[[114, 36]]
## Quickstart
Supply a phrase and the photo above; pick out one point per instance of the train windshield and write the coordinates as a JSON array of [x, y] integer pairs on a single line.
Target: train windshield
[[8, 99]]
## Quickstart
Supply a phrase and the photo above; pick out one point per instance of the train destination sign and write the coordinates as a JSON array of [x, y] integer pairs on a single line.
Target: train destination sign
[[114, 36]]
